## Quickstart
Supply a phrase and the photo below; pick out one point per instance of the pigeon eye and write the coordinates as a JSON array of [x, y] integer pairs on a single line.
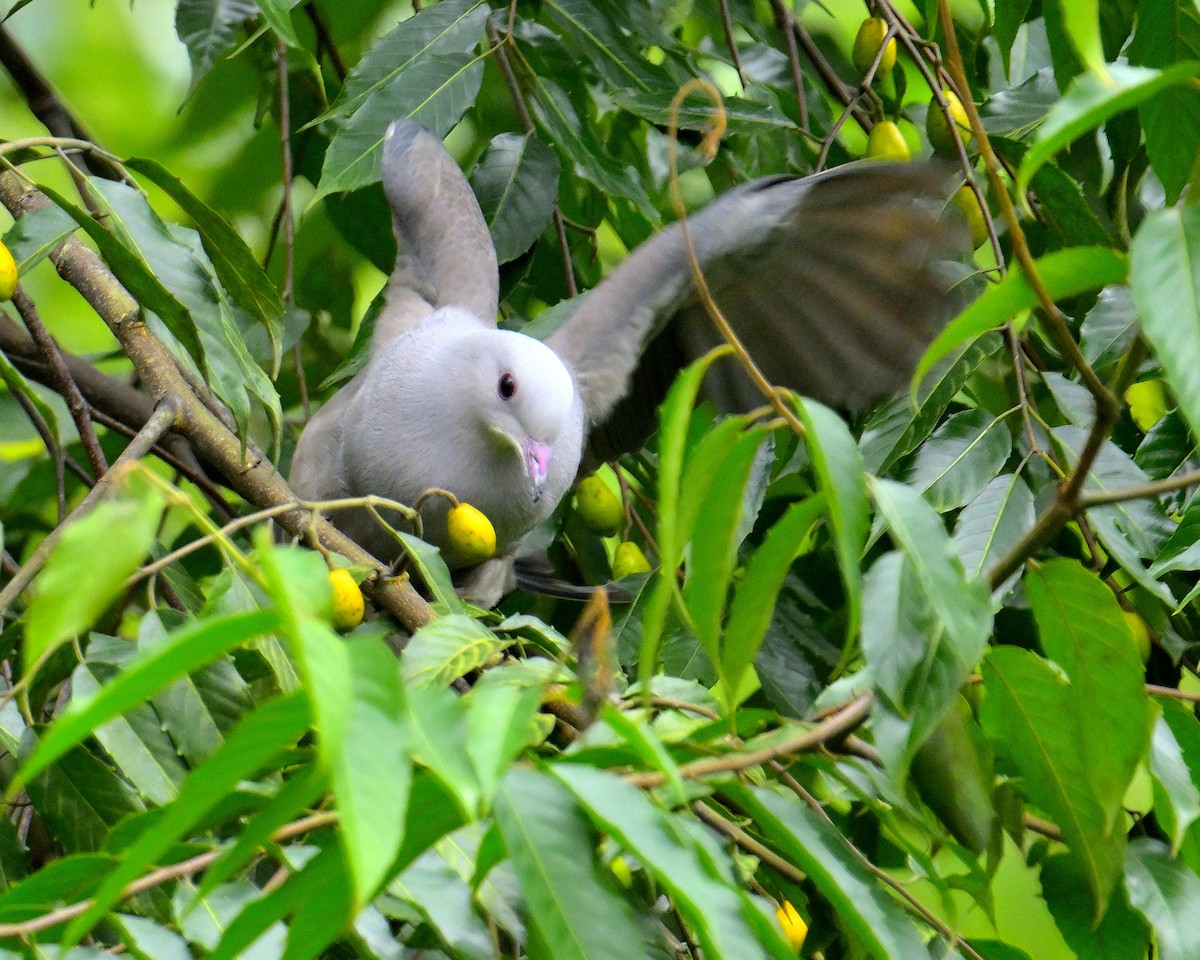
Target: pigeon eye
[[507, 386]]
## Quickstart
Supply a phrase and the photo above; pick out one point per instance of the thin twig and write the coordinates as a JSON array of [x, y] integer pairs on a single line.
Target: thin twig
[[731, 42], [833, 728], [64, 382], [325, 40], [58, 456], [783, 22], [747, 842], [288, 293], [185, 868], [499, 44]]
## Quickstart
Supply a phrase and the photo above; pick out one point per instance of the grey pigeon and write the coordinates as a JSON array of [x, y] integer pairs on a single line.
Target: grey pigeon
[[835, 283]]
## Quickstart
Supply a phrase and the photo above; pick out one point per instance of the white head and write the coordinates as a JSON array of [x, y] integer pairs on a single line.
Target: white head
[[519, 394]]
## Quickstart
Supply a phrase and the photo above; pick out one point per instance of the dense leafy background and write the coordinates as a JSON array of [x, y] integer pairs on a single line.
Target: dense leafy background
[[926, 675]]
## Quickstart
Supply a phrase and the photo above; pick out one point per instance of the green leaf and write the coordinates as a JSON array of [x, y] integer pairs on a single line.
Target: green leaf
[[133, 273], [203, 919], [1132, 531], [435, 91], [80, 799], [500, 723], [294, 796], [373, 777], [235, 264], [1081, 20], [180, 653], [558, 118], [994, 522], [176, 257], [278, 14], [135, 739], [816, 847], [1168, 31], [356, 695], [753, 603], [449, 27], [434, 573], [554, 854], [73, 589], [16, 383], [258, 739], [209, 28], [674, 416], [715, 540], [35, 234], [718, 914], [1109, 327], [966, 452], [437, 728], [1167, 894], [516, 183], [1092, 99], [1064, 273], [148, 940], [962, 605], [1121, 935], [1033, 722], [841, 475], [1165, 274], [1182, 549], [446, 648], [447, 902], [321, 881], [65, 880], [1176, 797], [1082, 629]]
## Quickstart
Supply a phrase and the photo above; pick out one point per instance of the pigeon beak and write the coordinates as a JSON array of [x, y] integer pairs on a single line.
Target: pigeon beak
[[537, 464]]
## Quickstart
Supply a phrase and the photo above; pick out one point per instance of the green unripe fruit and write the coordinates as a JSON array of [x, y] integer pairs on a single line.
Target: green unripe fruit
[[965, 200], [599, 508], [867, 43], [938, 129], [629, 560]]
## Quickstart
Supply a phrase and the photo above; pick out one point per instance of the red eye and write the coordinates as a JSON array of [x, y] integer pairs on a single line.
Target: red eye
[[507, 386]]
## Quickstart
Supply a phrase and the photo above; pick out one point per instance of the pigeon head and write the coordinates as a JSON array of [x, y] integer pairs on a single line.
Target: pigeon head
[[521, 396]]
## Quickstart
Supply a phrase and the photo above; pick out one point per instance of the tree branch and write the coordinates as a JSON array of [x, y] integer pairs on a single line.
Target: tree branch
[[832, 728], [249, 472]]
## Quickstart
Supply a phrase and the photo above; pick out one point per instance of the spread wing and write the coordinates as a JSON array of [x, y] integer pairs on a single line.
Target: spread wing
[[444, 252], [835, 283]]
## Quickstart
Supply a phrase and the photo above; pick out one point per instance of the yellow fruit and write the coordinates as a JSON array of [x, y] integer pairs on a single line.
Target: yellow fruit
[[599, 508], [1140, 633], [348, 607], [794, 927], [471, 533], [8, 273], [965, 200], [629, 560], [866, 44], [1147, 403], [886, 142], [938, 129]]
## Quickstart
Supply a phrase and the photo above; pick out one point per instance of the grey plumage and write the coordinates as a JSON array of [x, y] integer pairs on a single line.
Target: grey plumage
[[834, 282]]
